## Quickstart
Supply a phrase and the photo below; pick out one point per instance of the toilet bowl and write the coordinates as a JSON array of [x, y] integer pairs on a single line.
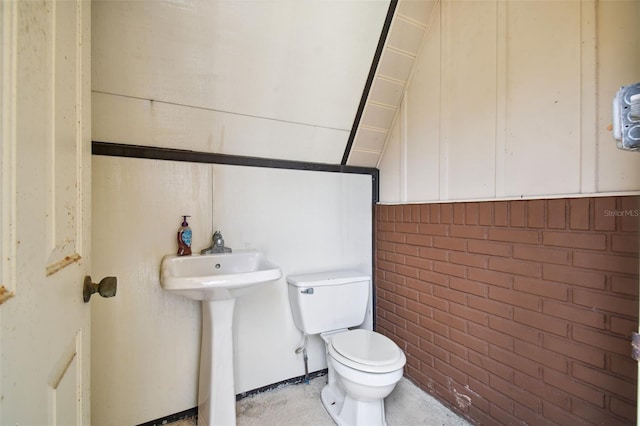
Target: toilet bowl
[[364, 367]]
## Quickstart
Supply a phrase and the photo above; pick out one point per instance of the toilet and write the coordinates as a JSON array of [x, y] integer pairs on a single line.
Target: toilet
[[364, 366]]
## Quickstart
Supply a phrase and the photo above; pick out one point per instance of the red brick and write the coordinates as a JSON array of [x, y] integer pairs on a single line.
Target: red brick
[[450, 295], [407, 314], [571, 275], [566, 383], [579, 213], [501, 213], [420, 332], [424, 213], [446, 213], [541, 254], [515, 298], [458, 213], [449, 269], [450, 243], [603, 220], [434, 277], [385, 226], [485, 213], [584, 353], [623, 366], [415, 213], [494, 337], [469, 314], [541, 321], [548, 289], [489, 247], [434, 253], [622, 408], [407, 249], [434, 213], [540, 355], [433, 229], [469, 341], [434, 302], [530, 417], [490, 277], [469, 259], [434, 350], [407, 271], [418, 262], [625, 243], [515, 266], [520, 331], [538, 387], [450, 373], [560, 416], [419, 240], [606, 302], [407, 228], [455, 349], [513, 235], [491, 395], [605, 262], [449, 320], [478, 372], [468, 287], [624, 285], [490, 306], [629, 219], [623, 326], [574, 313], [574, 240], [492, 366], [516, 393], [556, 215], [516, 361], [406, 213], [517, 214], [604, 380], [601, 340], [462, 231], [471, 214], [535, 213]]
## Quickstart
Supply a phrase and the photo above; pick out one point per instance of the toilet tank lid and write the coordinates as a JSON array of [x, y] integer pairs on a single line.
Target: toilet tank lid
[[327, 278]]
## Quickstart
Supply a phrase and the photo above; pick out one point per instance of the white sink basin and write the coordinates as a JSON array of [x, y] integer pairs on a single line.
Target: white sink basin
[[216, 276]]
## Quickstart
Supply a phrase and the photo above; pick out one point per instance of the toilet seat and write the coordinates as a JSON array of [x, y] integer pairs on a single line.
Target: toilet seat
[[367, 351]]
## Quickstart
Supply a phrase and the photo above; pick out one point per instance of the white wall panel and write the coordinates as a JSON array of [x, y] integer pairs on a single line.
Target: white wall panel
[[513, 99], [543, 98], [146, 342], [142, 122]]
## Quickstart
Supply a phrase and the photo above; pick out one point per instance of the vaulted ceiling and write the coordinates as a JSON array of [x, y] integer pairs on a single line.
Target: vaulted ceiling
[[314, 80]]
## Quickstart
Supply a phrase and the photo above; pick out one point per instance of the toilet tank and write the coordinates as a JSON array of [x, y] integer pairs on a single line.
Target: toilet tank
[[328, 301]]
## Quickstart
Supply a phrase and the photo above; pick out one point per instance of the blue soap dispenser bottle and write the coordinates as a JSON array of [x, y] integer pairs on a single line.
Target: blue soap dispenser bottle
[[184, 238]]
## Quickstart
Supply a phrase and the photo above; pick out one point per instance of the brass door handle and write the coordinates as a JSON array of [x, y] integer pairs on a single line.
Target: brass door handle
[[107, 287]]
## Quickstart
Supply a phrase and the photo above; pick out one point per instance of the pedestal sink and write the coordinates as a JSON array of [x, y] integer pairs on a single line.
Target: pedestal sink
[[216, 280]]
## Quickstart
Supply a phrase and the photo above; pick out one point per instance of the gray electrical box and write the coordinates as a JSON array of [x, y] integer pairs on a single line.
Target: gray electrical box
[[626, 117]]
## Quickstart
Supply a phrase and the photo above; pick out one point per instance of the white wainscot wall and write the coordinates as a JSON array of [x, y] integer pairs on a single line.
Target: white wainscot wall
[[145, 342], [512, 99]]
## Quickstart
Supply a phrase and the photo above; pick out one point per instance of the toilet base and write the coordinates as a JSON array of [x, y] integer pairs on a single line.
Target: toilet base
[[345, 411]]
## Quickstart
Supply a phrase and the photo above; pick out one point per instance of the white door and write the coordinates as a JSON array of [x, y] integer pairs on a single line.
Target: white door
[[44, 323]]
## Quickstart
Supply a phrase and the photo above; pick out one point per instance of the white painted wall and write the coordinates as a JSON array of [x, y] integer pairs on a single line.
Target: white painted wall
[[145, 342], [512, 99], [275, 79]]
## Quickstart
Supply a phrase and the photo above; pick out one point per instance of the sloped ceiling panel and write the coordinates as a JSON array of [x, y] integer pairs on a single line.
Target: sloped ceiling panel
[[274, 78], [391, 77]]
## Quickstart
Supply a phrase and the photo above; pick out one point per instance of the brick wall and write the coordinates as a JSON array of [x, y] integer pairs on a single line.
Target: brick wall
[[518, 311]]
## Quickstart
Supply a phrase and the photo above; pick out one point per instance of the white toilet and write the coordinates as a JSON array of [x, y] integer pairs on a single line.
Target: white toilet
[[364, 366]]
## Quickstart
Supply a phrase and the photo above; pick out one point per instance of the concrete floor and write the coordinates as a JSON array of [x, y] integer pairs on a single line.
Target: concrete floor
[[300, 404]]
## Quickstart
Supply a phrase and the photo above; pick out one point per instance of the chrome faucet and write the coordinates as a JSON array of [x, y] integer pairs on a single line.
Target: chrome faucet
[[217, 246]]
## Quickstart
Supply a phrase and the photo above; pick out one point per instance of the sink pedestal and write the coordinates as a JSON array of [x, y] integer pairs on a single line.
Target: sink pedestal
[[216, 391]]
